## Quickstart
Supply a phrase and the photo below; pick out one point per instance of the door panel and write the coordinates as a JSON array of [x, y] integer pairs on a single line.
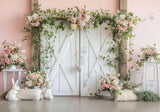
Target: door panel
[[64, 64]]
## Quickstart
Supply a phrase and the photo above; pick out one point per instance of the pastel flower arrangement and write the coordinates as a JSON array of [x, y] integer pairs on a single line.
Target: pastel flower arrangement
[[12, 55], [80, 19], [110, 83], [123, 23], [147, 53], [34, 20], [32, 79]]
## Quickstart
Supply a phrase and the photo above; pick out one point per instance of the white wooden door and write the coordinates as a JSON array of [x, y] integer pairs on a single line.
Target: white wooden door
[[64, 65], [95, 43]]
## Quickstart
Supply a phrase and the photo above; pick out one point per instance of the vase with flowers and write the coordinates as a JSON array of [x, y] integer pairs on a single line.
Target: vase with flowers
[[12, 56]]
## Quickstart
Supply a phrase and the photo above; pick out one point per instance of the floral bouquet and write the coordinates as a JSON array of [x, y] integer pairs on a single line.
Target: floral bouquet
[[33, 79], [81, 18], [12, 55], [111, 83], [147, 53], [123, 23]]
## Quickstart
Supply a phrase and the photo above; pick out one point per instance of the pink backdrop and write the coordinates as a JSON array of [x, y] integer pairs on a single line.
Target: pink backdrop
[[13, 19]]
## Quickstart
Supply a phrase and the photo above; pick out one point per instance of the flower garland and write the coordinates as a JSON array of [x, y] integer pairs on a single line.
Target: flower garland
[[42, 22]]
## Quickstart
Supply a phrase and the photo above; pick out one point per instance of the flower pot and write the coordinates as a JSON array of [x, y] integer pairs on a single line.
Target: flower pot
[[73, 26], [151, 59], [108, 95], [13, 67], [36, 87]]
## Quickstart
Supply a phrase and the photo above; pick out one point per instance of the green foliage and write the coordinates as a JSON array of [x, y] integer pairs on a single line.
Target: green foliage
[[147, 96], [57, 18]]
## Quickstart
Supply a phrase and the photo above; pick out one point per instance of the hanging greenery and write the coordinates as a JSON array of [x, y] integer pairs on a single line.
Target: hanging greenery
[[42, 23]]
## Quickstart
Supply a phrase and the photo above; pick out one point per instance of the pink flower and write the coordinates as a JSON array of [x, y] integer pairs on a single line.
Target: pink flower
[[80, 16], [38, 84], [36, 77], [82, 10], [106, 85], [30, 75], [40, 77], [9, 51], [7, 60], [73, 20], [11, 47], [4, 53], [85, 15], [26, 83], [120, 28], [20, 60], [4, 45], [90, 25], [149, 52], [116, 79], [37, 23], [113, 87], [130, 23], [102, 87]]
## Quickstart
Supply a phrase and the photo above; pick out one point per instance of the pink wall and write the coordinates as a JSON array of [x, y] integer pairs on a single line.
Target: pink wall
[[146, 32], [13, 18], [12, 21]]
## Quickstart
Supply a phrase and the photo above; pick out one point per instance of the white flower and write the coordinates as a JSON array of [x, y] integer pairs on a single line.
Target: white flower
[[83, 23], [29, 18], [40, 80], [86, 19], [35, 16], [29, 83], [73, 26], [125, 23], [19, 45], [14, 56], [115, 82], [122, 16]]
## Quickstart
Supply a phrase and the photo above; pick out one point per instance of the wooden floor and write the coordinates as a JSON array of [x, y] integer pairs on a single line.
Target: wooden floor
[[77, 104]]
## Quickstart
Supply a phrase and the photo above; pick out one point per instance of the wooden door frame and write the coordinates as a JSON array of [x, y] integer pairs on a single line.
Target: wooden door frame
[[122, 65]]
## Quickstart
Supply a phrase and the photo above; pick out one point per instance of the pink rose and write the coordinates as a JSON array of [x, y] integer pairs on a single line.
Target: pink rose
[[30, 75], [11, 47], [38, 84], [4, 45], [130, 23], [113, 87], [3, 53], [149, 52], [20, 60], [73, 20], [26, 83], [82, 10], [102, 87], [37, 23], [9, 51], [7, 60], [40, 77], [85, 15], [90, 25], [106, 85], [116, 79]]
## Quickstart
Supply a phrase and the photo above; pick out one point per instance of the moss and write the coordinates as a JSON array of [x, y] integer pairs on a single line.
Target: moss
[[147, 96]]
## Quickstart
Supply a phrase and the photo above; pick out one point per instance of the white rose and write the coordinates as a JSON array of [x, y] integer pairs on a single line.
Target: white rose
[[29, 83], [115, 83], [40, 80], [122, 16], [86, 19], [29, 18], [73, 26], [83, 23], [35, 16]]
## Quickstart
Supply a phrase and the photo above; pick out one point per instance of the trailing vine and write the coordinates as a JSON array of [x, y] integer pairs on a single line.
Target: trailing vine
[[42, 23]]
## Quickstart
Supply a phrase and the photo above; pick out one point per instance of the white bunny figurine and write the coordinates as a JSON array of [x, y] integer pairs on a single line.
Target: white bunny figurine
[[47, 92], [12, 94]]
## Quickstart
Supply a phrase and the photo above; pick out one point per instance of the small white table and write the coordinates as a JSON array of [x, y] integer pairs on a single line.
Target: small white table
[[151, 85], [5, 74]]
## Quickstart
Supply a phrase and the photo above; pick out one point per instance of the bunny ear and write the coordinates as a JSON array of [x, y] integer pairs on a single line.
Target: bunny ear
[[13, 82], [16, 82]]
